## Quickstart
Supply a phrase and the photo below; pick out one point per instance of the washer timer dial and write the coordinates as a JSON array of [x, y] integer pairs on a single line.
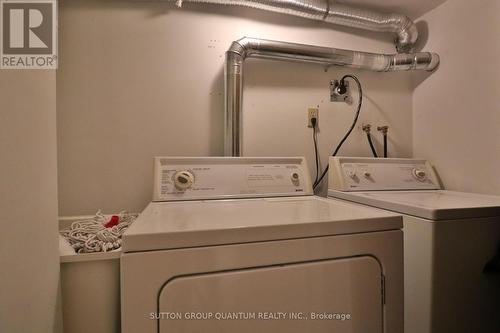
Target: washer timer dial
[[183, 180]]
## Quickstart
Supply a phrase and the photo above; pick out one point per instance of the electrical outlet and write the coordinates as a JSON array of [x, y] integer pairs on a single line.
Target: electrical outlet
[[336, 96], [312, 113]]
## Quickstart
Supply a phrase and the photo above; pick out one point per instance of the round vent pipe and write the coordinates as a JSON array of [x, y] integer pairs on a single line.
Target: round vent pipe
[[401, 26], [261, 48]]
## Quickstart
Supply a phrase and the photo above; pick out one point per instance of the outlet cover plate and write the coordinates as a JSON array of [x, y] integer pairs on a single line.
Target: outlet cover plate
[[312, 113], [335, 96]]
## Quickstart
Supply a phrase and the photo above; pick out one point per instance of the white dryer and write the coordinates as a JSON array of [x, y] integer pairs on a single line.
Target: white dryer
[[242, 245], [451, 241]]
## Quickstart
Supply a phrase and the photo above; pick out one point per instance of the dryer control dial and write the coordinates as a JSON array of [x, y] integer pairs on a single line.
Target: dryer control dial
[[419, 174], [183, 180]]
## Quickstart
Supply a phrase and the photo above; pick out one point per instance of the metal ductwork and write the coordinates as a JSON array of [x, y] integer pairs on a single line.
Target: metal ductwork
[[400, 25], [261, 48]]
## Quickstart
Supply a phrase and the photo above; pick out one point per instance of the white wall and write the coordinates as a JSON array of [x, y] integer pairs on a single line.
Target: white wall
[[139, 79], [456, 110], [29, 256]]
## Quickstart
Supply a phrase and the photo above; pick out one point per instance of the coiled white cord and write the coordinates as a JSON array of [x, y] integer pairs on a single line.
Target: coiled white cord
[[91, 235]]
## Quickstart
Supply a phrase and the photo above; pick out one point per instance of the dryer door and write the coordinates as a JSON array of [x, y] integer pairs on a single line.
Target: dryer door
[[338, 295]]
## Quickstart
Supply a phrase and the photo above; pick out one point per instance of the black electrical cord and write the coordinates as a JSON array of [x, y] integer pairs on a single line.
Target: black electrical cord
[[360, 100], [369, 137], [315, 142]]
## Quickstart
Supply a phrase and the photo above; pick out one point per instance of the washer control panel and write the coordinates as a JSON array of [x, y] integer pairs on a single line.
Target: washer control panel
[[372, 174], [195, 178]]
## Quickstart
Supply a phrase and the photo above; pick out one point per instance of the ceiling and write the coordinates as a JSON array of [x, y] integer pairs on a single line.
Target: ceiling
[[412, 8]]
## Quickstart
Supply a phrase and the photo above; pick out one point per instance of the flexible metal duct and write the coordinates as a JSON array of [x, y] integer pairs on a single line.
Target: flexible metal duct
[[261, 48], [326, 10]]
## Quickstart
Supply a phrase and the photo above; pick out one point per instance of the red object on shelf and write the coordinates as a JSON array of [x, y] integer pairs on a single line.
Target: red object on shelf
[[115, 219]]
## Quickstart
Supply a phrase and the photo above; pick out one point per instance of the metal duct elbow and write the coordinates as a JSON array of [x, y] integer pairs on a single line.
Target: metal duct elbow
[[404, 29], [401, 26], [262, 48]]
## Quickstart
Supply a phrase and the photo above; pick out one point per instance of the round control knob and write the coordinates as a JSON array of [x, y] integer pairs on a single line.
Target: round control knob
[[351, 174], [183, 180], [295, 178], [419, 174], [367, 174]]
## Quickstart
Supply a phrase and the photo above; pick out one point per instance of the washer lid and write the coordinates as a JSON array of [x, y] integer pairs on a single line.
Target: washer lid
[[171, 225], [433, 204]]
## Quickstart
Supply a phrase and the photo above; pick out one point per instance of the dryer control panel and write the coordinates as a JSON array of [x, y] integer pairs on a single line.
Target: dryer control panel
[[197, 178], [376, 174]]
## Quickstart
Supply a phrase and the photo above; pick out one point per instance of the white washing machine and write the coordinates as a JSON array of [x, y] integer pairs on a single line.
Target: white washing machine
[[452, 261], [242, 245]]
